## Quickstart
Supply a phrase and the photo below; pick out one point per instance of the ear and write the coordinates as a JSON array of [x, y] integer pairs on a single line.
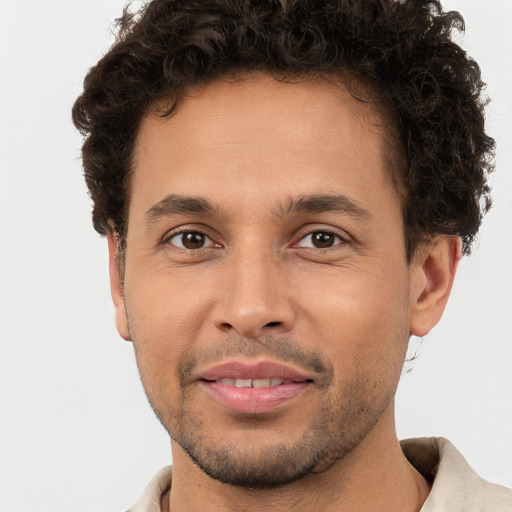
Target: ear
[[116, 287], [432, 272]]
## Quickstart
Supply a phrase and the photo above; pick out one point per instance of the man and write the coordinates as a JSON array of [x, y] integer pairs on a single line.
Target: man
[[286, 188]]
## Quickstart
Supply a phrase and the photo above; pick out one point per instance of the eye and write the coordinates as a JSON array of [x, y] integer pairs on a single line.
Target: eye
[[319, 240], [191, 240]]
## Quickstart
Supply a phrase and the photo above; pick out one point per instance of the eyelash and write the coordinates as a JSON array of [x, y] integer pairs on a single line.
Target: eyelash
[[338, 240], [182, 233]]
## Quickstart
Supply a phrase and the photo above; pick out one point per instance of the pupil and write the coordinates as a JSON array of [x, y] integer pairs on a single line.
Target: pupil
[[193, 240], [322, 240]]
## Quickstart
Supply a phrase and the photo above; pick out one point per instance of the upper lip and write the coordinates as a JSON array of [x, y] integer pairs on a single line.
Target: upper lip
[[237, 369]]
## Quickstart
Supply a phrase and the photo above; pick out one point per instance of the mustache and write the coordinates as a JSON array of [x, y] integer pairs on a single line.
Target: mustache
[[285, 350]]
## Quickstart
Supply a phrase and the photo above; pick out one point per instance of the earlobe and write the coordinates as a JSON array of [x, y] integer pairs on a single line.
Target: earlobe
[[116, 288], [432, 272]]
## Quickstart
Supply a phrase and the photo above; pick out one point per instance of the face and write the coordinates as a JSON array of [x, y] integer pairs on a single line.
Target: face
[[266, 287]]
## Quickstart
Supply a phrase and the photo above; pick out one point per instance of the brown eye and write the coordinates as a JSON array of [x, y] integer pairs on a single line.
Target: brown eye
[[320, 240], [190, 240]]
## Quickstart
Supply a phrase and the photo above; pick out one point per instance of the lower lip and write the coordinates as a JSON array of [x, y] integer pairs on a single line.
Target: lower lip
[[254, 400]]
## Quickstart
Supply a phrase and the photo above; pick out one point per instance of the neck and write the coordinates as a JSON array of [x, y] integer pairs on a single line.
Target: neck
[[374, 476]]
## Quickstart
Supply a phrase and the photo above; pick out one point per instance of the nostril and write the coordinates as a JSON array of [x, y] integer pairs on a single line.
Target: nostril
[[272, 324]]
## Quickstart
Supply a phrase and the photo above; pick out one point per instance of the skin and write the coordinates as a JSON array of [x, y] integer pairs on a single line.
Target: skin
[[258, 284]]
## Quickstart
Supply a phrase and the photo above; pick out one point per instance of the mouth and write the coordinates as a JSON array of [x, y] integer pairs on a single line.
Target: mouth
[[256, 383], [254, 388]]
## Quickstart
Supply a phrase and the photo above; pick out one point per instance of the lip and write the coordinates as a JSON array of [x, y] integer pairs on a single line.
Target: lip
[[254, 400], [253, 370]]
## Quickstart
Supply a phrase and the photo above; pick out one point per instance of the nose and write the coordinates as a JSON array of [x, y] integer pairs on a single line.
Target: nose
[[255, 298]]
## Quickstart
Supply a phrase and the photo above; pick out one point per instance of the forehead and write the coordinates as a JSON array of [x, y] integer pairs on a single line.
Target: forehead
[[262, 101], [255, 135]]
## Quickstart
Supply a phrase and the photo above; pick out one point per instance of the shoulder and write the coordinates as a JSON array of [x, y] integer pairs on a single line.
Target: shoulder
[[151, 497], [455, 485]]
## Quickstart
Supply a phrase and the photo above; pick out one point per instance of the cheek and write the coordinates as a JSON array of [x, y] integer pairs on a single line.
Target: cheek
[[363, 320], [166, 309], [164, 325]]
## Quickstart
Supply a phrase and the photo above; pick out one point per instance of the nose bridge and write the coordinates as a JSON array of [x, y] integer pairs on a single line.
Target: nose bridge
[[256, 300]]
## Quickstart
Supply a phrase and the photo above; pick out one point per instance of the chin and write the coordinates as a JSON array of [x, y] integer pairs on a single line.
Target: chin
[[256, 457], [259, 467]]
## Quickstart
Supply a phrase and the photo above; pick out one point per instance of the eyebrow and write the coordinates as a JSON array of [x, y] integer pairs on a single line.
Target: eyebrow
[[320, 203], [174, 205], [303, 205]]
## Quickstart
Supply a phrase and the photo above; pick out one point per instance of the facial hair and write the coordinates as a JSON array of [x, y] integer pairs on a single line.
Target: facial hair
[[342, 422]]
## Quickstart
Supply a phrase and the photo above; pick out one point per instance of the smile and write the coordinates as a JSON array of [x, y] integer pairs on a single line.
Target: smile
[[254, 388], [255, 383]]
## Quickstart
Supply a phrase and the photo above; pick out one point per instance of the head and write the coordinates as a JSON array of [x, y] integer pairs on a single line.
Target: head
[[282, 183]]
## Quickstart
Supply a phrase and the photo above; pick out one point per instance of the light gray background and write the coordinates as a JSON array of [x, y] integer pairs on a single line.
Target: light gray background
[[75, 430]]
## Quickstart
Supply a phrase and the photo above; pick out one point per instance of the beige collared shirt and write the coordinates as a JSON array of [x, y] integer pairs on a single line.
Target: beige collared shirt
[[456, 487]]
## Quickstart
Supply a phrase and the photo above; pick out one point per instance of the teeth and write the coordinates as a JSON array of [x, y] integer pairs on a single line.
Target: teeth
[[243, 383], [250, 383], [261, 383], [229, 382]]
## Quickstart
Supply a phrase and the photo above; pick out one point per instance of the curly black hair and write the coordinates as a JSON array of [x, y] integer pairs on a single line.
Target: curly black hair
[[402, 50]]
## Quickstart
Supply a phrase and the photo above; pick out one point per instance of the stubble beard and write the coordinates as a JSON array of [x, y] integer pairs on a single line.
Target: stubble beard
[[326, 441], [336, 429]]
